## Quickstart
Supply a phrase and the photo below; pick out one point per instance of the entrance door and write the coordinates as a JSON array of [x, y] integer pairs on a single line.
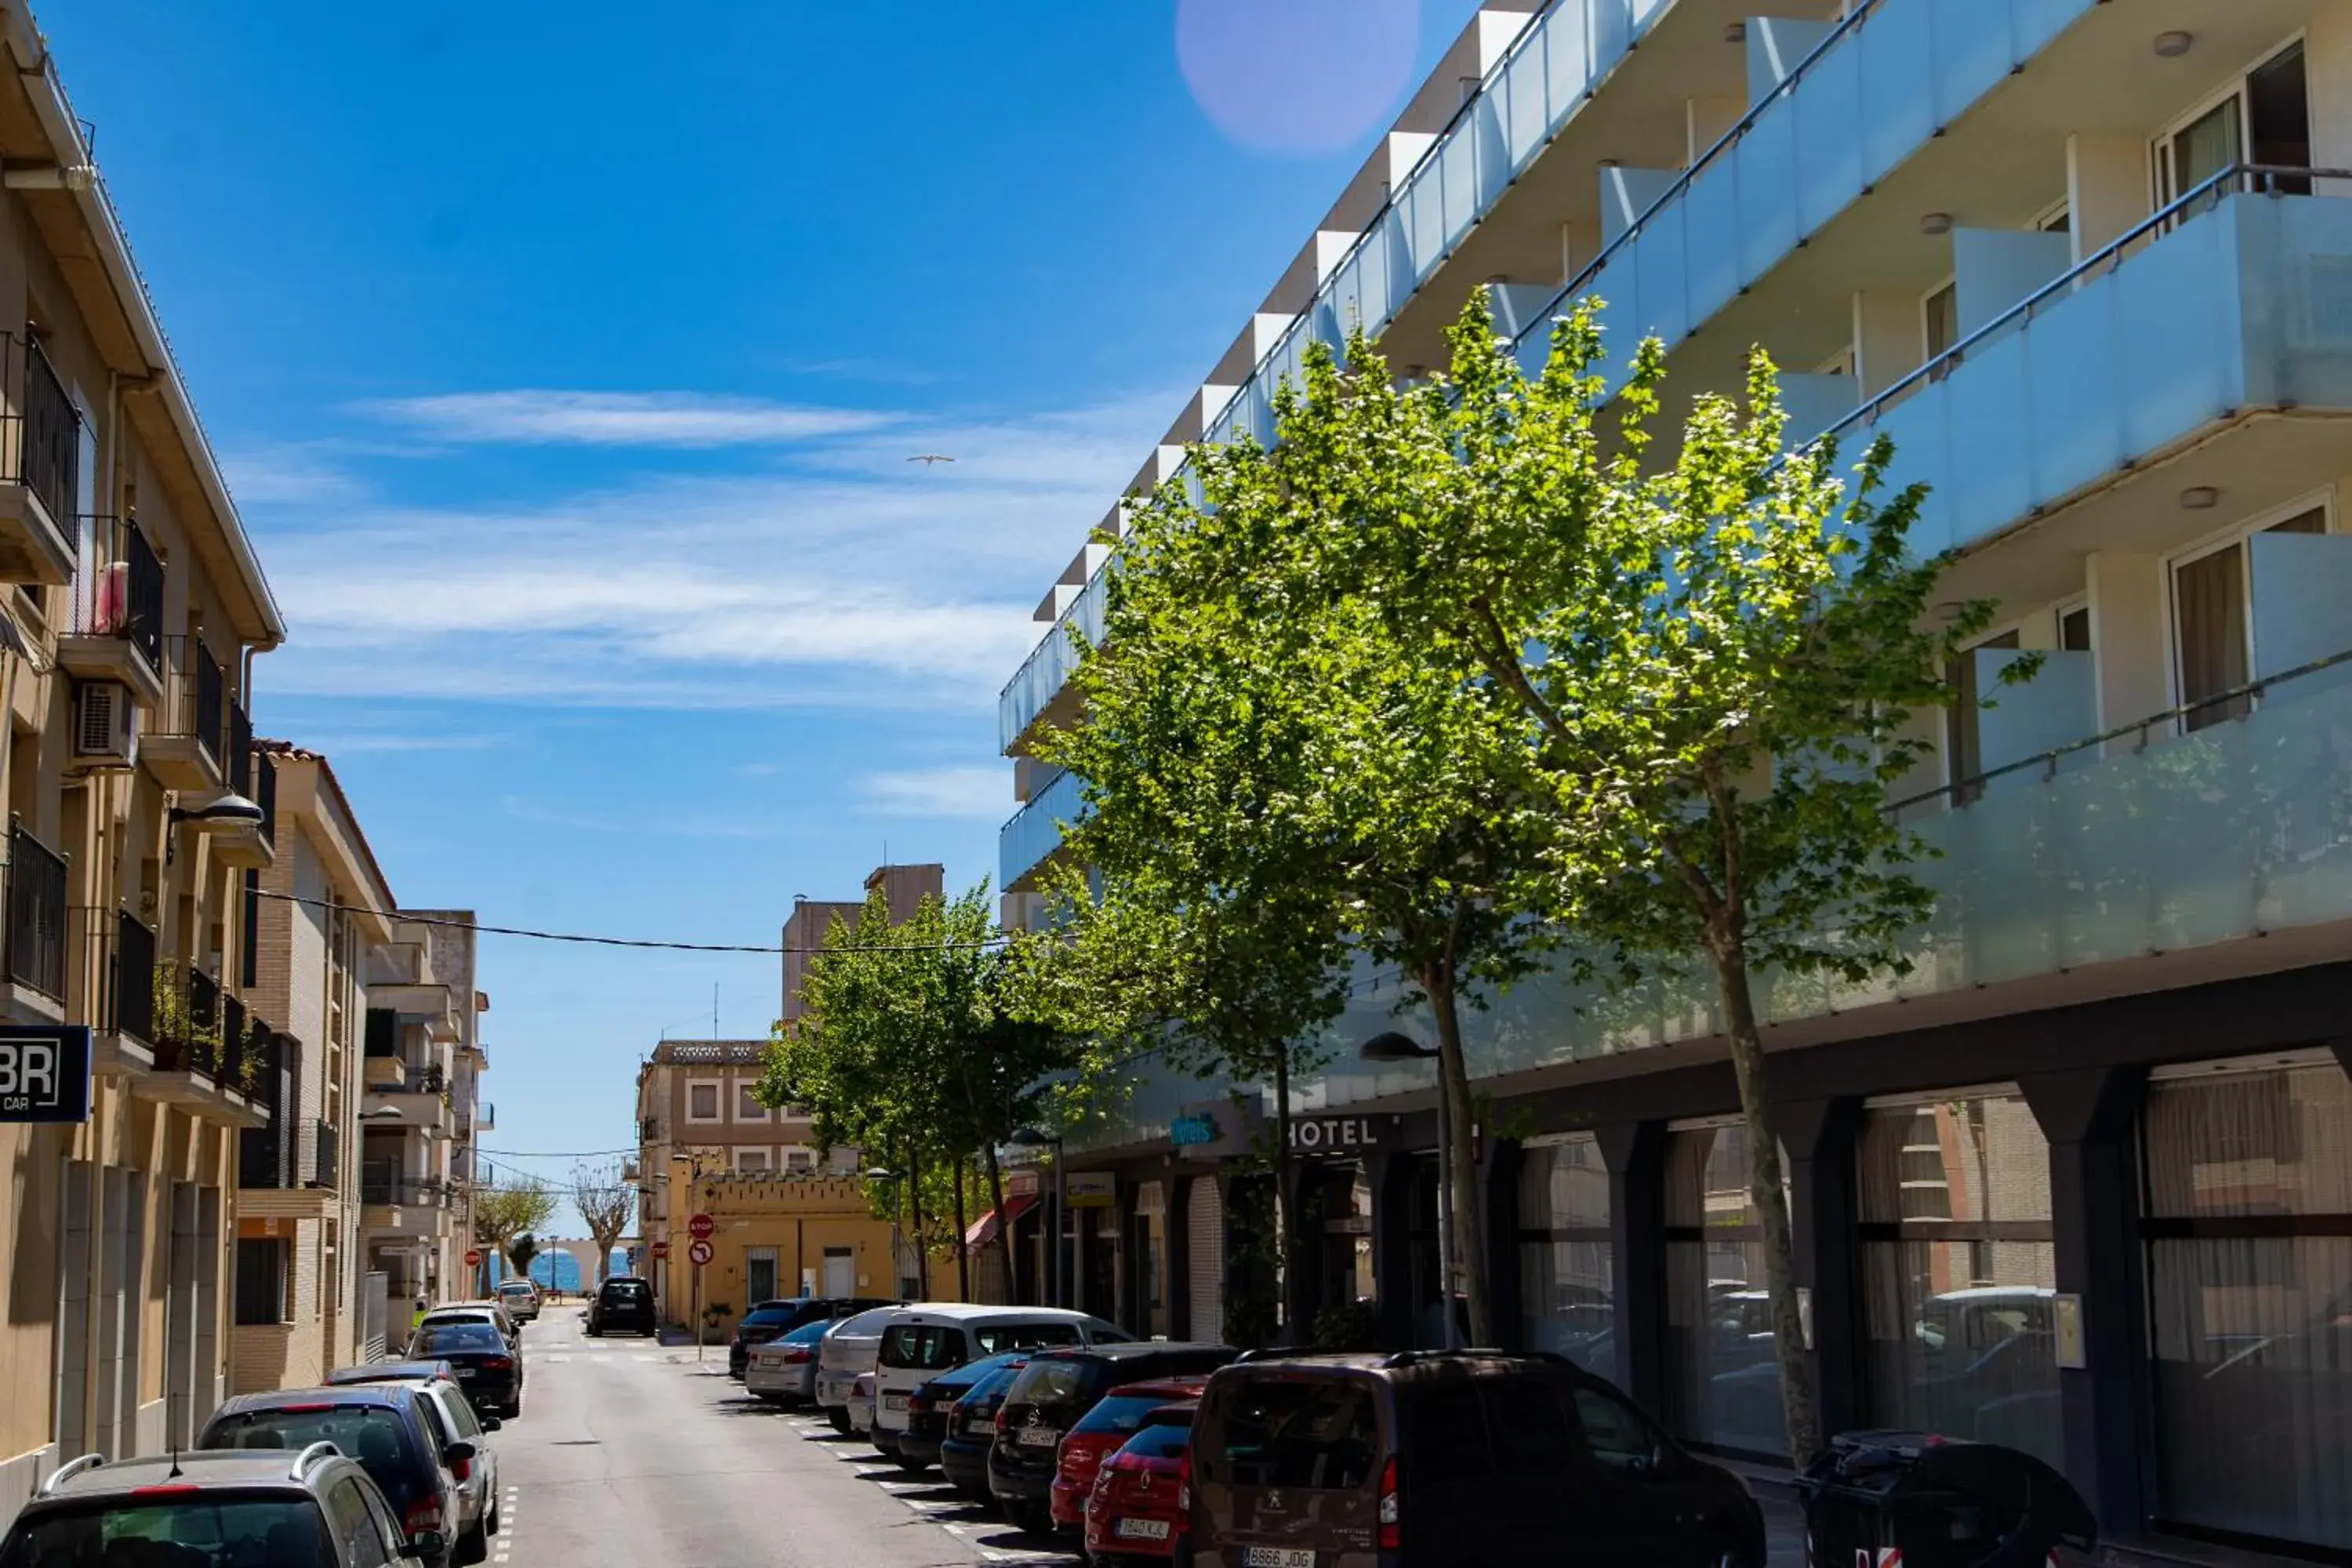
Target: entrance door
[[840, 1272]]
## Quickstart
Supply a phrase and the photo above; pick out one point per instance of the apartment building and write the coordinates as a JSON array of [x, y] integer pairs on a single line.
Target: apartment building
[[2080, 1181], [902, 887], [421, 1061], [322, 914], [132, 606]]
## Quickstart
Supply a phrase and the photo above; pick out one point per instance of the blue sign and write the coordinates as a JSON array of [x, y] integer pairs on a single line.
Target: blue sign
[[45, 1072], [1187, 1131]]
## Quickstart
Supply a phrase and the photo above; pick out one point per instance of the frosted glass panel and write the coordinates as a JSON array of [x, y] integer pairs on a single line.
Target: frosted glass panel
[[1035, 830]]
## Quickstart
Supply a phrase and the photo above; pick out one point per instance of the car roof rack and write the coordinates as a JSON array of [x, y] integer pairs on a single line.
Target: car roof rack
[[68, 1471], [1414, 1358], [310, 1456]]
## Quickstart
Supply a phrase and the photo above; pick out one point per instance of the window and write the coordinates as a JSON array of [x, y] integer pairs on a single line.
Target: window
[[2262, 118], [260, 1281], [1308, 1432], [2249, 1248], [747, 1101], [1529, 1428], [702, 1102], [1565, 1256], [751, 1160], [1963, 742], [2074, 628], [1614, 1432], [803, 1160], [2213, 622], [1958, 1270], [760, 1274], [993, 1338], [354, 1525], [1723, 1384], [1939, 315]]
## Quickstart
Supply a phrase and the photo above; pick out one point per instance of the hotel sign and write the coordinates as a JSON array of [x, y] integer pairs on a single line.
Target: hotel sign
[[1340, 1135]]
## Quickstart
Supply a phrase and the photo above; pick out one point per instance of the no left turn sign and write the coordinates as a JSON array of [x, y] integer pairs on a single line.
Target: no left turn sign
[[699, 1252]]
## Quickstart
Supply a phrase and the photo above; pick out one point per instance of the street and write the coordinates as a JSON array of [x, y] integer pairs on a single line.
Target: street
[[628, 1452]]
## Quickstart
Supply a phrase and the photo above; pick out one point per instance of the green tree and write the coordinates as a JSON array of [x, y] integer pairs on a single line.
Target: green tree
[[504, 1211]]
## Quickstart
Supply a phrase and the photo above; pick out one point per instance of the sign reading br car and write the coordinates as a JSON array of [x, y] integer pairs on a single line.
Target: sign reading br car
[[45, 1073]]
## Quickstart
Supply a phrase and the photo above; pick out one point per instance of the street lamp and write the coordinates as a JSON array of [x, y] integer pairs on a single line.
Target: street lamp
[[1393, 1047], [1037, 1137], [883, 1174], [222, 812]]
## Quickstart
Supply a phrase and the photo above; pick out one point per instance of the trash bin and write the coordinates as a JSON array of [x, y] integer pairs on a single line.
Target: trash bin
[[1910, 1500]]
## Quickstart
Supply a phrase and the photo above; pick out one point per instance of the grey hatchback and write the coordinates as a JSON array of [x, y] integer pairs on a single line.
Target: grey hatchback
[[223, 1509]]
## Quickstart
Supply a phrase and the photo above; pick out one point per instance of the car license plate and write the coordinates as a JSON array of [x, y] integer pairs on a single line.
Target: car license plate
[[1278, 1557], [469, 1372], [894, 1402], [1149, 1530], [1045, 1437]]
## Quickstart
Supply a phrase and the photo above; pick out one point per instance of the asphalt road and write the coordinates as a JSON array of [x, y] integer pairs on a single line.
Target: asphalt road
[[628, 1452]]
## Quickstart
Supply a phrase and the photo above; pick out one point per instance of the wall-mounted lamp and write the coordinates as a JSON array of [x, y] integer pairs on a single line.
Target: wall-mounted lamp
[[2173, 44], [1934, 222], [2200, 498]]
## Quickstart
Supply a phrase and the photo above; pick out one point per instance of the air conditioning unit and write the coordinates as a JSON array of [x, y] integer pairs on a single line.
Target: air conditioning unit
[[106, 723]]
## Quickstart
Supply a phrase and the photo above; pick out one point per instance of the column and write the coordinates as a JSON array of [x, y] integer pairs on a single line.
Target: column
[[1176, 1226], [1391, 1171], [2089, 1115], [1505, 1290], [1636, 1153], [2134, 641], [1820, 1137], [2106, 188]]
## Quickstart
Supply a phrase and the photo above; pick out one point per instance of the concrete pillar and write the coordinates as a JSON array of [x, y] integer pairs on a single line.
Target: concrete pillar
[[1823, 1209], [2131, 638], [2327, 66], [1579, 242], [2106, 187], [1177, 1226], [1506, 1289], [1391, 1174], [1635, 1154], [1704, 121], [2090, 1116], [1888, 341]]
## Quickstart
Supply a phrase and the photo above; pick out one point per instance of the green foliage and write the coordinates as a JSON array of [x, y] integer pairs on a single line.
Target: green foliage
[[503, 1213]]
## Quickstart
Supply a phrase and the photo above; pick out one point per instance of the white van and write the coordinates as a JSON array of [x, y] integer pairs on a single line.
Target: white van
[[919, 1343]]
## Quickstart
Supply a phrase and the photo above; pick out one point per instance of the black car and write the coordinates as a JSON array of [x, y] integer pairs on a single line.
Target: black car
[[774, 1320], [389, 1372], [1045, 1401], [970, 1431], [385, 1426], [929, 1404], [623, 1304], [1430, 1455], [487, 1368]]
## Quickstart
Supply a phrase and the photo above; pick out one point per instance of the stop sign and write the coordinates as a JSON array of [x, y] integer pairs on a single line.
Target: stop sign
[[700, 1227], [473, 1257], [661, 1250]]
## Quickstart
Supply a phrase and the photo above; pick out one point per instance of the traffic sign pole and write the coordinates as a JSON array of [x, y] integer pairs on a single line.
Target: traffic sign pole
[[696, 1324]]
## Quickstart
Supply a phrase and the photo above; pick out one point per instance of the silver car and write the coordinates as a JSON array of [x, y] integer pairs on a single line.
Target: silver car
[[843, 1355], [520, 1298], [784, 1371]]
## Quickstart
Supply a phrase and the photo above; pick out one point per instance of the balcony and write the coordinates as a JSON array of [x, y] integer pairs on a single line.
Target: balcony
[[33, 957], [397, 1203], [117, 629], [268, 1155], [419, 1102], [1035, 832], [246, 848], [40, 470], [431, 1004], [187, 748]]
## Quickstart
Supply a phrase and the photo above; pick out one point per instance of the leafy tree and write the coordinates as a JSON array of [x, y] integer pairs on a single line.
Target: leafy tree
[[504, 1211], [520, 1251], [1716, 669], [606, 1204]]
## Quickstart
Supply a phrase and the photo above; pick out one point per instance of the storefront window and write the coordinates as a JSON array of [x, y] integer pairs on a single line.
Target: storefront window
[[2249, 1236], [1958, 1272], [1566, 1279], [1723, 1385]]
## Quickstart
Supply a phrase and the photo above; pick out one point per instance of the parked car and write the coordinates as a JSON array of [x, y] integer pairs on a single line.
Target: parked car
[[489, 1368], [1100, 1432], [1052, 1394], [774, 1320], [489, 1312], [311, 1508], [389, 1372], [928, 1406], [1136, 1509], [1352, 1461], [623, 1304], [971, 1432], [845, 1352], [477, 1474], [520, 1298], [784, 1371], [919, 1341], [385, 1426]]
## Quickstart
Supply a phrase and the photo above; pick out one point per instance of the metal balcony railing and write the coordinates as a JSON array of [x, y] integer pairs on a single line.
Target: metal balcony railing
[[240, 750], [120, 591], [40, 437], [326, 1162], [110, 967], [265, 794], [269, 1155], [383, 1182], [36, 949], [196, 697]]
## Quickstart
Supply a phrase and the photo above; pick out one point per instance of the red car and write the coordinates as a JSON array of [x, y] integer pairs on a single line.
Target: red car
[[1138, 1509], [1115, 1417]]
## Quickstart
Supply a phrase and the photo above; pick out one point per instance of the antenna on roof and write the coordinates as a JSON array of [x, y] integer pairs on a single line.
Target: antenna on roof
[[175, 1426]]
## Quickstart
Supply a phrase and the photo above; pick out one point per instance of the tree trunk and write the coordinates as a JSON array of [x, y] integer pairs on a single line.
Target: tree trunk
[[964, 1253], [1798, 1400], [1285, 1226], [1003, 1230], [1461, 1183], [915, 1205]]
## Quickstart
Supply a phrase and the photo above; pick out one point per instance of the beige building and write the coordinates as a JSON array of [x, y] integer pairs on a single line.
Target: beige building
[[131, 606], [902, 888], [421, 1063], [322, 912]]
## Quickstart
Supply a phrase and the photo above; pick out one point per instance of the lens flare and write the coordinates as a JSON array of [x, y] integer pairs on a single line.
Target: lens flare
[[1301, 76]]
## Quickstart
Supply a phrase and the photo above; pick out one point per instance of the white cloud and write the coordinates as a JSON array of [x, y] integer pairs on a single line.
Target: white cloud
[[982, 793], [290, 475], [532, 416]]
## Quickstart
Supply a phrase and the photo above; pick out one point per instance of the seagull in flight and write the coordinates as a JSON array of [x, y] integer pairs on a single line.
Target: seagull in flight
[[930, 459]]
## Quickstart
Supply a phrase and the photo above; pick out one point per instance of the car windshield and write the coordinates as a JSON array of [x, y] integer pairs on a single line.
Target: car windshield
[[1120, 1413], [208, 1530], [440, 1339], [626, 1290], [926, 1347], [808, 1333], [868, 1324], [1162, 1439], [766, 1317], [1297, 1432], [991, 1388], [374, 1435], [514, 1287], [1051, 1379]]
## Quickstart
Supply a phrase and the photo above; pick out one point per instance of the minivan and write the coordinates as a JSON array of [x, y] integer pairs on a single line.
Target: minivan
[[1368, 1461], [1052, 1392], [920, 1341]]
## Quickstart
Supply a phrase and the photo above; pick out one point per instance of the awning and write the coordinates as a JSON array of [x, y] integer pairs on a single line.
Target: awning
[[983, 1230]]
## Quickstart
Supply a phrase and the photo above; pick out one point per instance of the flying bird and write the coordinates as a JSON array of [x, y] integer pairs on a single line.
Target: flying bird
[[928, 459]]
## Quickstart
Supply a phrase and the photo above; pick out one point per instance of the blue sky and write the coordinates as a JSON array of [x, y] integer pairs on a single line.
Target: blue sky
[[566, 362]]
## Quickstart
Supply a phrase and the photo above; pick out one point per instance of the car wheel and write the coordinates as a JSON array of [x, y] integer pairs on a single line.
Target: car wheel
[[490, 1523], [912, 1466], [514, 1407], [1029, 1518], [472, 1547], [839, 1418], [1727, 1552]]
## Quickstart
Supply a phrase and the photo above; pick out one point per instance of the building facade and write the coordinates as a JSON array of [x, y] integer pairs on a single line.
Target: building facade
[[303, 1303], [2080, 1181], [132, 608]]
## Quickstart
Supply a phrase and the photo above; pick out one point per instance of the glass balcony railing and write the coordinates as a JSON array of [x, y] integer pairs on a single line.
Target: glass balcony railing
[[2159, 843], [1548, 73], [1035, 830]]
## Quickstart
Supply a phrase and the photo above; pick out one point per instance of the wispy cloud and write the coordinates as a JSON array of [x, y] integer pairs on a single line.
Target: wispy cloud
[[532, 416], [520, 808], [290, 475], [977, 792]]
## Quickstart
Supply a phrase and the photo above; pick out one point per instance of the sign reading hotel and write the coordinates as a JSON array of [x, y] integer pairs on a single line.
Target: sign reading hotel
[[1339, 1134]]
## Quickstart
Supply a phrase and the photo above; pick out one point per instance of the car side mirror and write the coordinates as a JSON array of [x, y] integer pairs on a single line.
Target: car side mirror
[[455, 1452], [491, 1422], [424, 1545]]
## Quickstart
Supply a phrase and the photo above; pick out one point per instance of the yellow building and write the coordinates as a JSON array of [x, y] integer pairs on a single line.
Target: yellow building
[[776, 1234]]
